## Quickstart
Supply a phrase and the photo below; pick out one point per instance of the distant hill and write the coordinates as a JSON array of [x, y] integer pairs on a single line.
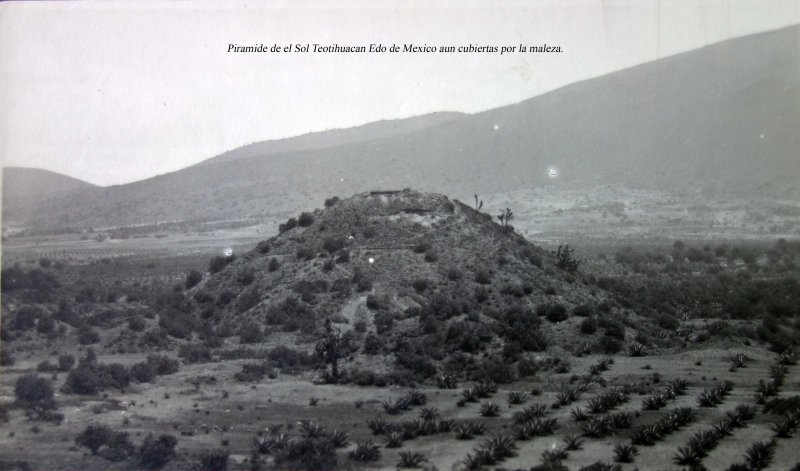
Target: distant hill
[[25, 182], [724, 117], [336, 137]]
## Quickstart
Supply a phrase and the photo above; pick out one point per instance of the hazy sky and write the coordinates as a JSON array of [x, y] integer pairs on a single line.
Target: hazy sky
[[116, 92]]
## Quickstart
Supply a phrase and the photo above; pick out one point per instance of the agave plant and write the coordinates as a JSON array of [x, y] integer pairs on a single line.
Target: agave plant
[[654, 402], [516, 397], [338, 438], [310, 430], [784, 428], [394, 440], [687, 456], [624, 453], [262, 444], [415, 398], [463, 431], [529, 413], [485, 389], [554, 456], [646, 435], [365, 451], [578, 414], [410, 459], [444, 426], [429, 413], [477, 460], [274, 429], [500, 446], [637, 350], [490, 409], [573, 442], [760, 454], [390, 407], [378, 426], [469, 395], [740, 360]]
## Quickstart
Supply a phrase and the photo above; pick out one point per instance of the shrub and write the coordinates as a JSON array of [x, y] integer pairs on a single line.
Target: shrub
[[306, 219], [216, 460], [251, 332], [333, 245], [483, 277], [317, 454], [589, 325], [93, 437], [219, 262], [582, 310], [154, 452], [194, 352], [665, 321], [372, 344], [193, 278], [137, 323], [66, 362], [143, 372], [46, 325], [553, 312], [608, 345], [163, 364], [288, 225], [420, 285], [273, 264], [88, 336], [247, 299], [33, 391], [330, 202]]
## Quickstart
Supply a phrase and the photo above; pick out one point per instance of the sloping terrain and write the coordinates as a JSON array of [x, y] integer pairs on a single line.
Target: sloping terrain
[[20, 182], [723, 118]]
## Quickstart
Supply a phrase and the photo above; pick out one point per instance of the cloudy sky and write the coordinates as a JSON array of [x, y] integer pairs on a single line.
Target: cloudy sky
[[116, 92]]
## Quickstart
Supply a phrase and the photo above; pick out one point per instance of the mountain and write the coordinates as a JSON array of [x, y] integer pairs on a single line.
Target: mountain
[[335, 137], [32, 187], [428, 275], [724, 117]]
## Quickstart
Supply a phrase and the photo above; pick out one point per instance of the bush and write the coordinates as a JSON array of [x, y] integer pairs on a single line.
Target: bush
[[216, 460], [589, 325], [194, 352], [35, 392], [331, 201], [143, 372], [318, 454], [273, 265], [613, 329], [372, 344], [553, 312], [163, 364], [305, 219], [483, 277], [251, 333], [66, 362], [219, 262], [665, 321], [224, 298], [193, 278], [46, 325], [247, 300], [333, 245], [93, 437], [608, 345], [582, 310], [420, 285], [154, 452], [288, 225], [137, 323]]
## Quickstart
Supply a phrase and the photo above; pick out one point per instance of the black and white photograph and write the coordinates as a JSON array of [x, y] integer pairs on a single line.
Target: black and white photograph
[[540, 235]]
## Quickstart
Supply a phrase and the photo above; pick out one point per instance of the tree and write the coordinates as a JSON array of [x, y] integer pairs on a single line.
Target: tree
[[192, 278], [330, 348], [505, 217], [565, 259]]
